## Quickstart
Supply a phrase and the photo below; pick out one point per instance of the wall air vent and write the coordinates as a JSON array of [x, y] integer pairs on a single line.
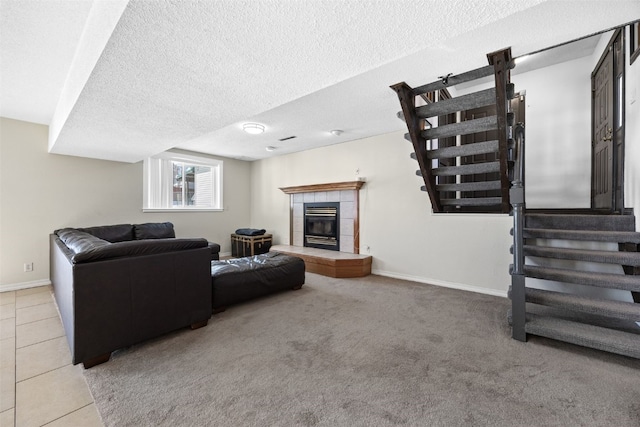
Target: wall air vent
[[287, 138]]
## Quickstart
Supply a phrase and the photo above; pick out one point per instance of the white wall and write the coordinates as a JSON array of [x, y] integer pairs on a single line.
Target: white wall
[[41, 192], [405, 239], [558, 136]]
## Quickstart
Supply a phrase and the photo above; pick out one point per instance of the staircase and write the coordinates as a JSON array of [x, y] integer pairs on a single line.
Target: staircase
[[567, 266], [453, 178], [569, 252]]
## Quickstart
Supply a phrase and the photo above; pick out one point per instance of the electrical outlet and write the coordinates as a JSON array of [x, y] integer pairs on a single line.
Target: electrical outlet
[[368, 249], [28, 267]]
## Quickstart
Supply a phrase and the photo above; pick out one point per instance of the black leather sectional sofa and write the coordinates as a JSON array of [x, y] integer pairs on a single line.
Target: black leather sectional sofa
[[122, 284]]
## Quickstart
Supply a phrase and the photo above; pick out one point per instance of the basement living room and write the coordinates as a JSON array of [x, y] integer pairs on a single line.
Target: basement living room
[[92, 92]]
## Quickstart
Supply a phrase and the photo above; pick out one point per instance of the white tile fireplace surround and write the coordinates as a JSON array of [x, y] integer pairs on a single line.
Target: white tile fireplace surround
[[345, 193]]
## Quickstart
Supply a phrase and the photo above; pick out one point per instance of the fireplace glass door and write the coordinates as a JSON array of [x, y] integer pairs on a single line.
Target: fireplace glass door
[[321, 225]]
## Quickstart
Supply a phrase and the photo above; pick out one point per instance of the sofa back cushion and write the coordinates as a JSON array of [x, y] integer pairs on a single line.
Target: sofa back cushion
[[137, 248], [111, 233], [154, 230], [79, 241]]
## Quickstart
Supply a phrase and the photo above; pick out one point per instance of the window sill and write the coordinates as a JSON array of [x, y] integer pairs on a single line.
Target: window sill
[[182, 210]]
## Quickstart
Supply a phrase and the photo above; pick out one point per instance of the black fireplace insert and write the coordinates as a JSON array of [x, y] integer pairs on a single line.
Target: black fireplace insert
[[322, 225]]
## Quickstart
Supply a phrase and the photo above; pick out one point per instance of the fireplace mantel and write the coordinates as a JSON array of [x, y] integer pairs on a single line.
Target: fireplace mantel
[[314, 188]]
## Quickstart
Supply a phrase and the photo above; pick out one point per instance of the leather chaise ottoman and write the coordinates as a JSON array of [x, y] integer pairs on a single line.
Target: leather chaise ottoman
[[241, 279]]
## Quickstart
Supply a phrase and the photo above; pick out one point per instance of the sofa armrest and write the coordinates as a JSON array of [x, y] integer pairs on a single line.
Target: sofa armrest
[[114, 303], [215, 251]]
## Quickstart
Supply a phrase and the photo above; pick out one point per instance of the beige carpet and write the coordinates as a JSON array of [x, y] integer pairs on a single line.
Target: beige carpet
[[364, 352]]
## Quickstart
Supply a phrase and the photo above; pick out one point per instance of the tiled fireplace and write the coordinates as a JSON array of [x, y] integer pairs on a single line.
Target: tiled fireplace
[[346, 194]]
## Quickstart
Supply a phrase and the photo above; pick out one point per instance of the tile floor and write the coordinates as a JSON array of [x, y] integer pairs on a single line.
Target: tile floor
[[38, 384]]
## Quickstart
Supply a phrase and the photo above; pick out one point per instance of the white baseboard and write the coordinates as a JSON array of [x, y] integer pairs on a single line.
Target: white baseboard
[[452, 285], [24, 285], [221, 254], [435, 282]]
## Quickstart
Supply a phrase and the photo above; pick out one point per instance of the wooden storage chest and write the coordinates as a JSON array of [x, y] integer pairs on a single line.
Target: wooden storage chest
[[242, 245]]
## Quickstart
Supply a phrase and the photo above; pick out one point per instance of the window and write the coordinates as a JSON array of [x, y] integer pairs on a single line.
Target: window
[[174, 181]]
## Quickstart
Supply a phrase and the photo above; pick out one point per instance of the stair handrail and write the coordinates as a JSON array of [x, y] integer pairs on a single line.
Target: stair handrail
[[517, 200], [518, 136]]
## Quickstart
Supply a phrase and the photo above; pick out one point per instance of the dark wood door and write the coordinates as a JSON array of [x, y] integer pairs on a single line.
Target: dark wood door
[[607, 127], [602, 133]]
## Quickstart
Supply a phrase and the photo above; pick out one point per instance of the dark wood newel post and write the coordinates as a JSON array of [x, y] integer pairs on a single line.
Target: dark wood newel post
[[501, 61]]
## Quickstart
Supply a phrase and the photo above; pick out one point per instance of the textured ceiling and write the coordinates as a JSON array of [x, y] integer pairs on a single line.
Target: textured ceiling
[[187, 74], [38, 40]]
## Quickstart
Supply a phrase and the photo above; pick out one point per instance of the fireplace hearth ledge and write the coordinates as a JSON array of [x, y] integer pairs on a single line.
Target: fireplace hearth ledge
[[329, 263]]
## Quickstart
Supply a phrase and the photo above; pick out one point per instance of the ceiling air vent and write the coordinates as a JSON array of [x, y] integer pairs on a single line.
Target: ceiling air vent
[[287, 138]]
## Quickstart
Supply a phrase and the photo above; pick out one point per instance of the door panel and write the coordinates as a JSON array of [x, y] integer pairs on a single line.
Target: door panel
[[602, 143]]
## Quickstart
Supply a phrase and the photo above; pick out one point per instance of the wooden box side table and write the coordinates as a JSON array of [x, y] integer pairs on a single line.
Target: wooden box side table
[[242, 246]]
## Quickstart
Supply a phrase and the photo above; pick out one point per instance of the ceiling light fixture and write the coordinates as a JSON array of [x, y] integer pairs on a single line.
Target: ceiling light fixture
[[337, 132], [270, 148], [253, 128]]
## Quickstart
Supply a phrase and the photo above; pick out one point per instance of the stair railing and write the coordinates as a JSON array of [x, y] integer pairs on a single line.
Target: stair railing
[[517, 200]]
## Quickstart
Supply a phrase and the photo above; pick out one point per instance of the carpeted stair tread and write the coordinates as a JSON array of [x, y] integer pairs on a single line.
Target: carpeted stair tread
[[464, 150], [587, 235], [588, 278], [608, 257], [470, 186], [472, 201], [598, 307], [471, 169], [584, 335], [581, 222], [623, 325]]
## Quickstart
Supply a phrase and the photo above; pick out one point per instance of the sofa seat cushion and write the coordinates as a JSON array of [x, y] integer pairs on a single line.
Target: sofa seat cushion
[[153, 230]]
